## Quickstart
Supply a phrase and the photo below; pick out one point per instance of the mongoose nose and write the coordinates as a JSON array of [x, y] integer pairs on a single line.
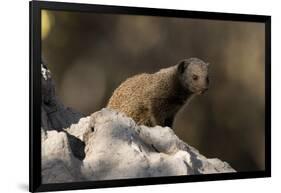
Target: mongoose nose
[[207, 80]]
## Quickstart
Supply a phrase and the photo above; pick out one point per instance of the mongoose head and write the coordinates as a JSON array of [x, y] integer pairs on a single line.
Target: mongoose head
[[193, 75]]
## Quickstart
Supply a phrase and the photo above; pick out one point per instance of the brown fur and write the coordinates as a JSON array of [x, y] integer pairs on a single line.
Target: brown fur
[[154, 99]]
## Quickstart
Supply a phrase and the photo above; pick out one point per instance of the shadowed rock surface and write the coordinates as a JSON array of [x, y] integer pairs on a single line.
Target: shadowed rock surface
[[54, 114]]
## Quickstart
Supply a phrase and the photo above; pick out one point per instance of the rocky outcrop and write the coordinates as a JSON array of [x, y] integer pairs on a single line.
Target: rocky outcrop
[[116, 148], [109, 145]]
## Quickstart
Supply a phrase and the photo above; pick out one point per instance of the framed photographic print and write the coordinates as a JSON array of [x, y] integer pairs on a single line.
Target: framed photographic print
[[125, 96]]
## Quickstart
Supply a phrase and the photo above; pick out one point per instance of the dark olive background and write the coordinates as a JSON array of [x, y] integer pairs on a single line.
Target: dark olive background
[[90, 54]]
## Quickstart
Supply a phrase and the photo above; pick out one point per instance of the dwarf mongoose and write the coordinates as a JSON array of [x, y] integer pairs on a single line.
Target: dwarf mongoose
[[154, 99]]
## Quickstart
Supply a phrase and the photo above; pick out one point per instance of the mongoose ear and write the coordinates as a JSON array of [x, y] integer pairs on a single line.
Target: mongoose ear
[[182, 66]]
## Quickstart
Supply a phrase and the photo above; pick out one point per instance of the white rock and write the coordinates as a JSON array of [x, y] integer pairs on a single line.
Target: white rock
[[58, 162], [117, 148]]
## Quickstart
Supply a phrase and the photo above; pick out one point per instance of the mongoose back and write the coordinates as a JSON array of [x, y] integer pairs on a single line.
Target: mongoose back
[[154, 99]]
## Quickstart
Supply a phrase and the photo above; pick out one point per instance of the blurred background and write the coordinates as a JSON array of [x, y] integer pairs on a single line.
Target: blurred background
[[90, 54]]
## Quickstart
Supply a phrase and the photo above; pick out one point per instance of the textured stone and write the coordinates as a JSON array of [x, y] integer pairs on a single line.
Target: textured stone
[[117, 148], [58, 162], [54, 115], [109, 145]]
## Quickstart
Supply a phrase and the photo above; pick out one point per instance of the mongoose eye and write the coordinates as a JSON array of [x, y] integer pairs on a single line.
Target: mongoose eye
[[195, 77]]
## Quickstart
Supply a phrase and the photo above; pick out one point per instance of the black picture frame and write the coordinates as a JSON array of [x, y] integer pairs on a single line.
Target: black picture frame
[[35, 183]]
